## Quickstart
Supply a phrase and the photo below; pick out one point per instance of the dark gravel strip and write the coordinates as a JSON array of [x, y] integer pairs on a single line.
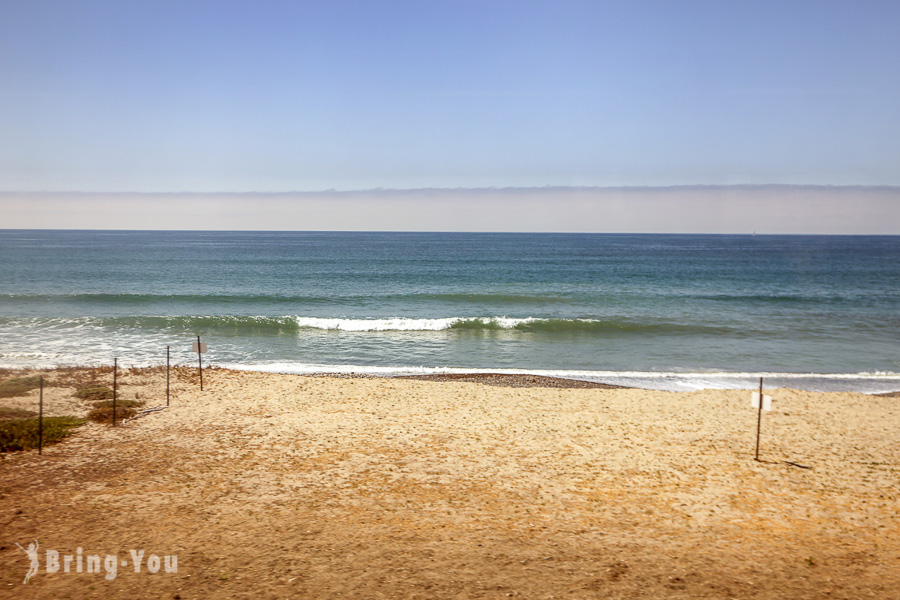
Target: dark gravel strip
[[498, 379], [504, 380]]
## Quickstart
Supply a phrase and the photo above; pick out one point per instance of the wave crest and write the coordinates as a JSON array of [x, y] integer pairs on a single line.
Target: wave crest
[[548, 325], [296, 324]]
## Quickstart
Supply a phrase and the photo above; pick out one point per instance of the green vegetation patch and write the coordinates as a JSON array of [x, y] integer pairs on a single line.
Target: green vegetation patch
[[7, 412], [103, 410], [22, 434], [120, 403], [93, 392], [104, 414], [18, 386]]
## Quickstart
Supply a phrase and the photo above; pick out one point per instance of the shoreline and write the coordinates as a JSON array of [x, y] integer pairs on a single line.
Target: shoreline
[[665, 381], [876, 384]]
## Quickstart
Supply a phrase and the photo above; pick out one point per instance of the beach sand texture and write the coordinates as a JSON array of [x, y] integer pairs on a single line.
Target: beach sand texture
[[285, 486]]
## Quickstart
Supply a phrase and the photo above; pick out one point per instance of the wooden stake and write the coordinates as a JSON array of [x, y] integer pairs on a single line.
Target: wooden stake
[[115, 374], [41, 420], [167, 375], [759, 418], [200, 362]]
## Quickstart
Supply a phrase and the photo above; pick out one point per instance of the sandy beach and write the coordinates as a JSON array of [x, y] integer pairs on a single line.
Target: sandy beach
[[285, 486]]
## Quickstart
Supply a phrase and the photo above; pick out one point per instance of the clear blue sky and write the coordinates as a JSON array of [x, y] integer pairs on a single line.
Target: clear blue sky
[[278, 96]]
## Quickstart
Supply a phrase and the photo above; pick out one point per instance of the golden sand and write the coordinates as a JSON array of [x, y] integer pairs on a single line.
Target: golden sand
[[281, 486]]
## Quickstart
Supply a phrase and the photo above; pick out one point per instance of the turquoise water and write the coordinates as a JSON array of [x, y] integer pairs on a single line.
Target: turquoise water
[[667, 311]]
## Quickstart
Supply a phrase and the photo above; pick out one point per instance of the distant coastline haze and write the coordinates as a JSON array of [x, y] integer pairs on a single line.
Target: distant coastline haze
[[775, 209]]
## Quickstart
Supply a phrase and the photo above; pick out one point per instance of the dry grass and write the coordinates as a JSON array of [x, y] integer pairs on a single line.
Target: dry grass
[[78, 377]]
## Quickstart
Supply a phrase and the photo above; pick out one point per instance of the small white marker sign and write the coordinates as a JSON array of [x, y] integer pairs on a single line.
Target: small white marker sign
[[199, 347], [767, 401]]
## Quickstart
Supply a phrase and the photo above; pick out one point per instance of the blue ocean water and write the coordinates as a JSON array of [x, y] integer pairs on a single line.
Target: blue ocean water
[[664, 311]]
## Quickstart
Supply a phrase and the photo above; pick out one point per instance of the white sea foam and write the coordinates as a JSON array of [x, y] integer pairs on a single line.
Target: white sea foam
[[392, 324], [405, 323]]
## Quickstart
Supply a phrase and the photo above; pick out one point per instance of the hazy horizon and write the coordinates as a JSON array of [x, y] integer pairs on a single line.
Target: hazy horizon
[[865, 210]]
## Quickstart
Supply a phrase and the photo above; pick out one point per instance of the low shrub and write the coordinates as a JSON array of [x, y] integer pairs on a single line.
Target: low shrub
[[120, 403], [104, 414], [18, 386], [7, 412], [22, 434], [93, 391]]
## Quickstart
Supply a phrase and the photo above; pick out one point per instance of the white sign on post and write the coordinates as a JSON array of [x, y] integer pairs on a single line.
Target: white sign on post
[[199, 347], [767, 401]]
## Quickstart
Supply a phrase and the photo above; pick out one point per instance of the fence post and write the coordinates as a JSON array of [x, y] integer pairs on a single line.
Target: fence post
[[115, 374], [200, 361], [759, 417], [41, 420]]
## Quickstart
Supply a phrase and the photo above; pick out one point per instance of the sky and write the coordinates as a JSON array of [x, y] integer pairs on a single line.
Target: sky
[[202, 106]]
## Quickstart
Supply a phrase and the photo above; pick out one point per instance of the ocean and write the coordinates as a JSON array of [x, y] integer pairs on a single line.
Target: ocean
[[659, 311]]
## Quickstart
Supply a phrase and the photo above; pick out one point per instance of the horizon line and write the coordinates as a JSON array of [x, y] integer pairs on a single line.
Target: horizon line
[[404, 231], [687, 186]]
